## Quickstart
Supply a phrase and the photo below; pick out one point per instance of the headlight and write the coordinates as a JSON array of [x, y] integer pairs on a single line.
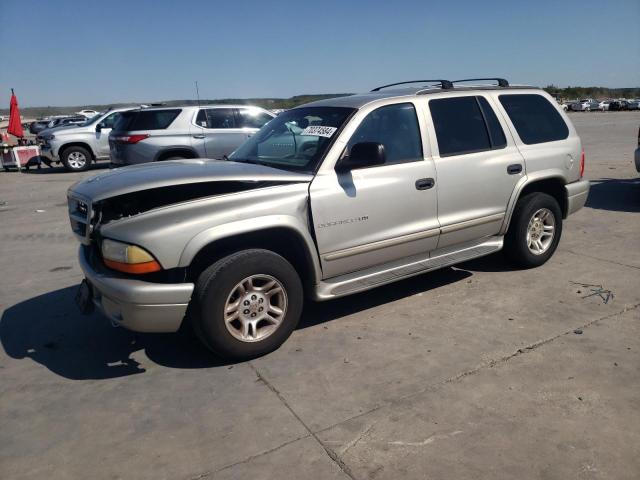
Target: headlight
[[128, 258]]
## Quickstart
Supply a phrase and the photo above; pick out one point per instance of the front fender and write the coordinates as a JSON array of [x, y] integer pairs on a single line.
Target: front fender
[[251, 225]]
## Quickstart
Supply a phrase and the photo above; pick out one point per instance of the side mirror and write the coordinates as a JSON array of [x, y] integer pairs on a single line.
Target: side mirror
[[362, 155], [99, 127]]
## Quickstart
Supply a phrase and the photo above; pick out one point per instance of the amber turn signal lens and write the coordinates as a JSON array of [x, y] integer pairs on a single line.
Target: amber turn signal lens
[[135, 268]]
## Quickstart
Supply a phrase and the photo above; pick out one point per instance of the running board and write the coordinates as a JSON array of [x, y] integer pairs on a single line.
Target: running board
[[404, 268]]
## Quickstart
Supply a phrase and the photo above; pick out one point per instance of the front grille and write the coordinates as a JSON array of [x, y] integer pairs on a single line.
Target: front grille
[[80, 216]]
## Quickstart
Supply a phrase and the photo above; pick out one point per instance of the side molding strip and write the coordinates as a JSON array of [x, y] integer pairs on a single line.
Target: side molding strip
[[370, 247], [392, 242]]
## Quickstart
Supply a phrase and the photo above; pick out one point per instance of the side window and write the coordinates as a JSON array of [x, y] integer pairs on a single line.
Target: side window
[[252, 117], [459, 126], [220, 118], [394, 126], [110, 121], [496, 133], [534, 118]]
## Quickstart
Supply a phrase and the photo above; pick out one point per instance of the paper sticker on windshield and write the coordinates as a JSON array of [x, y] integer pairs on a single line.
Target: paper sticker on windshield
[[319, 131]]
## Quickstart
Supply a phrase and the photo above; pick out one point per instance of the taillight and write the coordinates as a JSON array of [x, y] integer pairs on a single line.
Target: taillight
[[582, 164], [130, 139]]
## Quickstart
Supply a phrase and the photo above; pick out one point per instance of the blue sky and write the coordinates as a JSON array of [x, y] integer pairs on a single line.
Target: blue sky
[[64, 52]]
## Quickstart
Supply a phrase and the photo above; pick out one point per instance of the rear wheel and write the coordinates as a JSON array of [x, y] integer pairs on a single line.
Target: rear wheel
[[76, 159], [247, 304], [535, 230]]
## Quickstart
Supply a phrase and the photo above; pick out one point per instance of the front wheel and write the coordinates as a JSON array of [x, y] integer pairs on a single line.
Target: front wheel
[[247, 304], [76, 159], [535, 230]]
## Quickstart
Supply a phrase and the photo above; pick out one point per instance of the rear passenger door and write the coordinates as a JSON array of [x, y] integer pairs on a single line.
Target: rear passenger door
[[478, 166], [217, 133]]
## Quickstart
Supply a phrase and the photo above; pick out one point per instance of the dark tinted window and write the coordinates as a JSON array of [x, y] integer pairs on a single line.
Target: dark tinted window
[[535, 119], [220, 118], [459, 125], [252, 118], [146, 120], [394, 126], [496, 133]]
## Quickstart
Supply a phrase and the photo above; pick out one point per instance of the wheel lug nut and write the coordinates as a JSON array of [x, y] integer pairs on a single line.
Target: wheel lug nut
[[260, 300], [260, 309], [246, 303], [253, 315], [246, 312], [253, 297]]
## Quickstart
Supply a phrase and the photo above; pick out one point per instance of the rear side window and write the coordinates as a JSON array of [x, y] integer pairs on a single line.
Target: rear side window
[[252, 118], [394, 126], [459, 126], [216, 118], [146, 120], [534, 118]]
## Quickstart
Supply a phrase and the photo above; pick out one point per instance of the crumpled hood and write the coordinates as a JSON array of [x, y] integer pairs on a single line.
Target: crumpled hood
[[149, 176]]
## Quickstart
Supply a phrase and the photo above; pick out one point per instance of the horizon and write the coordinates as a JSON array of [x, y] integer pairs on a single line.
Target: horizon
[[94, 55]]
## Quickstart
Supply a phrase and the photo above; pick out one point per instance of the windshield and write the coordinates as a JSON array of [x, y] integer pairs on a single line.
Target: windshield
[[295, 140]]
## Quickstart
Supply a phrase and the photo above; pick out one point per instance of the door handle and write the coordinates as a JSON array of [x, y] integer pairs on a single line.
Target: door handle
[[514, 169], [198, 136], [425, 183]]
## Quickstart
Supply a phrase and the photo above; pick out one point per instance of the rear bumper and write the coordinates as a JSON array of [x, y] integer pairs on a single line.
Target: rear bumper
[[577, 193], [134, 304]]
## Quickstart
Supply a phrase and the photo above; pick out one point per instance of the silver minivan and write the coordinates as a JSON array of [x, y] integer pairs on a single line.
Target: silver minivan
[[169, 133]]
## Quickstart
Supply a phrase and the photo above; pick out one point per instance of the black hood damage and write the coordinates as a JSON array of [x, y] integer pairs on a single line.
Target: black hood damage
[[135, 203]]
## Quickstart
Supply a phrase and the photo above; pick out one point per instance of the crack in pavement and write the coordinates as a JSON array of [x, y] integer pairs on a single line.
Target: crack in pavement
[[336, 458], [488, 364], [246, 460], [601, 259], [332, 454]]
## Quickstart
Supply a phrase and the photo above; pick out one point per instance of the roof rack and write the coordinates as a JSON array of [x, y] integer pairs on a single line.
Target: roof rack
[[444, 84], [501, 81]]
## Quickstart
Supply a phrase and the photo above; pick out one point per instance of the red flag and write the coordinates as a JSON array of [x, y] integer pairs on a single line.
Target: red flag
[[15, 125]]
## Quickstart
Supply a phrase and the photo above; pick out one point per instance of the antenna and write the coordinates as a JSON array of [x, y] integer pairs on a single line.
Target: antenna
[[201, 135]]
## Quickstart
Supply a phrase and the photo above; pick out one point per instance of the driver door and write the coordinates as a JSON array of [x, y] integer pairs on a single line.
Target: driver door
[[102, 137], [374, 215]]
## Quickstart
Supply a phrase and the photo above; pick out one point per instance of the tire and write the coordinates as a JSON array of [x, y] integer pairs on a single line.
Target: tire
[[527, 242], [224, 284], [76, 159]]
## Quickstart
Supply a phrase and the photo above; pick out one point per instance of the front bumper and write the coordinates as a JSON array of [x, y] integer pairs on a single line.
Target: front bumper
[[637, 159], [135, 304], [577, 193]]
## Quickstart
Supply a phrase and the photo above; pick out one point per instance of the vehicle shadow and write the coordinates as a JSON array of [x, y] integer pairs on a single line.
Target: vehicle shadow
[[54, 169], [615, 194], [49, 330], [320, 312]]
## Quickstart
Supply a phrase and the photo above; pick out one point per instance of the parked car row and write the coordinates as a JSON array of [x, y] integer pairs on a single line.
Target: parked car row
[[135, 135], [591, 105]]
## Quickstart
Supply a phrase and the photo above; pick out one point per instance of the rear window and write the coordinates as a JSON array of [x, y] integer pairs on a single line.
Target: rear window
[[146, 120], [535, 119]]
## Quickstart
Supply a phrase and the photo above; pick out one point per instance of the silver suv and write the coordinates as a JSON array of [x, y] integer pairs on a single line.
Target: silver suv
[[77, 147], [169, 133], [328, 199]]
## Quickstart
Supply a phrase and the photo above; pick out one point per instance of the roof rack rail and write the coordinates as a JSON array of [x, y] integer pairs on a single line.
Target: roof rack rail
[[501, 81], [445, 84]]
